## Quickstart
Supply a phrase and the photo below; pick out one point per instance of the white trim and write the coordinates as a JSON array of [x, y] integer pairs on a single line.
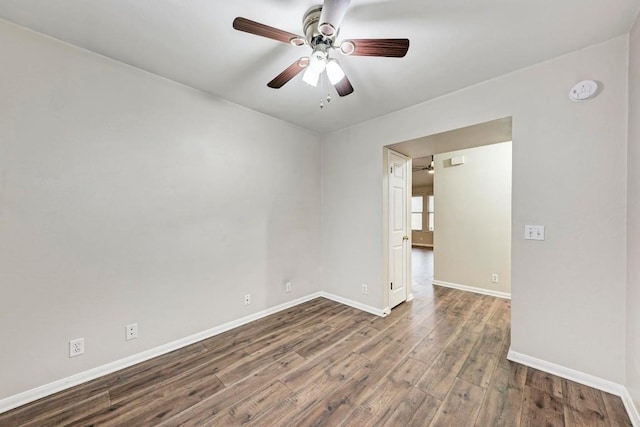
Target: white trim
[[354, 304], [29, 396], [473, 289], [582, 378], [630, 406], [567, 373]]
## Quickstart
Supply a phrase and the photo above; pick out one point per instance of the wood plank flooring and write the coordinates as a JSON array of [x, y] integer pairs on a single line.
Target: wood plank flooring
[[439, 360]]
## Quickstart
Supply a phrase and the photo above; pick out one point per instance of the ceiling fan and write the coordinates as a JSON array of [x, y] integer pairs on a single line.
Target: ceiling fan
[[429, 168], [321, 25]]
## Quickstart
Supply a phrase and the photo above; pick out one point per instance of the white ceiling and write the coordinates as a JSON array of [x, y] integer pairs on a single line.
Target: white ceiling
[[454, 44]]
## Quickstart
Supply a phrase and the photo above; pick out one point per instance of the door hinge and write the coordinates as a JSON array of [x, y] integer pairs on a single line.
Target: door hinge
[[391, 285], [391, 169]]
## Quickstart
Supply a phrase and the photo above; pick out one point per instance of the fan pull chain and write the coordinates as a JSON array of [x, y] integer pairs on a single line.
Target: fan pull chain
[[321, 91], [328, 98]]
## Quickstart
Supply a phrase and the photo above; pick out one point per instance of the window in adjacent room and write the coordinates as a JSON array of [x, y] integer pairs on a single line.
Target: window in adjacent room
[[416, 213]]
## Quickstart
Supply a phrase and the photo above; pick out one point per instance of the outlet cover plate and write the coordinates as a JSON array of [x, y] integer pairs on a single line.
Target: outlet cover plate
[[131, 331], [76, 347]]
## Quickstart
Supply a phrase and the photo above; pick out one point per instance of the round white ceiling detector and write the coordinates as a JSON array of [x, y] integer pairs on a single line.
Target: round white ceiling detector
[[584, 90]]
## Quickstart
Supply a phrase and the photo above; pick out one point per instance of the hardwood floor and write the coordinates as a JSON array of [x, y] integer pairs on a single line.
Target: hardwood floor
[[439, 360]]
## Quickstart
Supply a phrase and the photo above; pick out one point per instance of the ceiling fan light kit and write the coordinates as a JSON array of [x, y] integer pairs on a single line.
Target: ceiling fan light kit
[[318, 60], [311, 77], [321, 25], [335, 73]]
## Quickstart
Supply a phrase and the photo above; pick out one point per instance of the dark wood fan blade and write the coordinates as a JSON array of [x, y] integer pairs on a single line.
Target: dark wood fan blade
[[343, 87], [393, 48], [253, 27], [290, 72]]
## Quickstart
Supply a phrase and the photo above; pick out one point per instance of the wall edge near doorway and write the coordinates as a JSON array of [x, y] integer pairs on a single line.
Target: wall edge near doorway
[[467, 288]]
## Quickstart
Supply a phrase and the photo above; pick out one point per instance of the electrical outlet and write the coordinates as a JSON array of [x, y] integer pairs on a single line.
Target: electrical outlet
[[365, 289], [76, 347], [288, 287], [494, 278], [131, 331], [247, 299]]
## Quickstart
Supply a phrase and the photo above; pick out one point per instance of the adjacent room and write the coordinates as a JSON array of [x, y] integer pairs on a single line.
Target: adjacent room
[[365, 212]]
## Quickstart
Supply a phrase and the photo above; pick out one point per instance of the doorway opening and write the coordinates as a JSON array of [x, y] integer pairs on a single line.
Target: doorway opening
[[422, 226], [471, 249], [422, 271]]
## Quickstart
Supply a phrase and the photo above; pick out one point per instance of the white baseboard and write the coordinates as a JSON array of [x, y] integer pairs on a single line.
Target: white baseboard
[[582, 378], [630, 406], [567, 373], [632, 409], [29, 396], [473, 289], [354, 304]]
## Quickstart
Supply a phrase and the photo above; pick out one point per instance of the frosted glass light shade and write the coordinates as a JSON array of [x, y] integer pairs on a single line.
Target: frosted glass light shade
[[311, 77], [334, 72], [318, 61]]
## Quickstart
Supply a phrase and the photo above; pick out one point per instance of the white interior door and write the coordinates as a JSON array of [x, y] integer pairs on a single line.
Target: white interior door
[[398, 228]]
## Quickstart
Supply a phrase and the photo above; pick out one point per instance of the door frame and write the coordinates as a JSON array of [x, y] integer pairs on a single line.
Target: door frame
[[385, 228]]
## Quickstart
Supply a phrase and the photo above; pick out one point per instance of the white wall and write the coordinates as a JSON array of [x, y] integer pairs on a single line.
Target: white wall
[[633, 220], [125, 197], [568, 291], [473, 218], [423, 237]]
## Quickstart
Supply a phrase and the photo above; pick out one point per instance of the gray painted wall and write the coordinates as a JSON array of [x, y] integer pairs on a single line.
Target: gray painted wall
[[473, 234], [568, 294], [125, 197], [633, 220]]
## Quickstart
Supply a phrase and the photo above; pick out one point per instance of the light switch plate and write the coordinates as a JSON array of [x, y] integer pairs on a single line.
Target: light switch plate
[[534, 232]]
